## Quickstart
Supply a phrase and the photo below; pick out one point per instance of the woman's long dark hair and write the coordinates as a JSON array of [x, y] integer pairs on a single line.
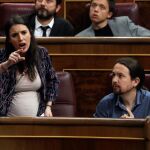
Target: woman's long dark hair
[[31, 56]]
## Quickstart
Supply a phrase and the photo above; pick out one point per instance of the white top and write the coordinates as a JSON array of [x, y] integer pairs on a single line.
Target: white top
[[26, 98], [38, 32]]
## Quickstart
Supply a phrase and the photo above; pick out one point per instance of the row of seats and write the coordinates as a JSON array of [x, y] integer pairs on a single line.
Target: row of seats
[[9, 9]]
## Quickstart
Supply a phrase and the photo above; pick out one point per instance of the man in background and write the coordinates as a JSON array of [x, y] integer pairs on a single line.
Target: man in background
[[45, 22], [104, 24]]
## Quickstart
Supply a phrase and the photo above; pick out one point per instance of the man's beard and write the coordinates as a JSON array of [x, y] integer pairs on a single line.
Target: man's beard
[[117, 90], [44, 14]]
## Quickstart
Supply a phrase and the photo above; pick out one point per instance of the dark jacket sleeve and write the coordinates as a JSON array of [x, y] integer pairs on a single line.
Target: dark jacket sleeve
[[48, 76]]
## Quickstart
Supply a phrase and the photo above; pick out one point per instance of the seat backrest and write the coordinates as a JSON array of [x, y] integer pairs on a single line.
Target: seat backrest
[[147, 81], [65, 104], [128, 9], [7, 10]]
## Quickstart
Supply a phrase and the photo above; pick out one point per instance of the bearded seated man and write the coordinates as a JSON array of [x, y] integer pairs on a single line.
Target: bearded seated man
[[129, 99], [45, 23]]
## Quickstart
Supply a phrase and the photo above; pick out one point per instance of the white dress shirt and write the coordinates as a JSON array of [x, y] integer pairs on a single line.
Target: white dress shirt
[[38, 32]]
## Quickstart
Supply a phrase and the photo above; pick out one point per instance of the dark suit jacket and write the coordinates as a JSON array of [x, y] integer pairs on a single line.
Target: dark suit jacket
[[61, 27]]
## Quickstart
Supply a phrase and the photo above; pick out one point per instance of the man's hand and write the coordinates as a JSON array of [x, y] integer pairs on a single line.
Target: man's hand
[[129, 115]]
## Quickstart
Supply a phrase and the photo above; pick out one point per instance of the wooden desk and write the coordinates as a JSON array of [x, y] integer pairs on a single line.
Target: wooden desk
[[72, 133], [90, 60]]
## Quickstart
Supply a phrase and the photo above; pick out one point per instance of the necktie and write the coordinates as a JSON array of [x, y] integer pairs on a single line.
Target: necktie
[[44, 29]]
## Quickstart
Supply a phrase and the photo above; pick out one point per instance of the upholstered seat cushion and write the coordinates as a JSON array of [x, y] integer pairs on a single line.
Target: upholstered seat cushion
[[128, 9], [65, 104], [9, 9], [147, 81]]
